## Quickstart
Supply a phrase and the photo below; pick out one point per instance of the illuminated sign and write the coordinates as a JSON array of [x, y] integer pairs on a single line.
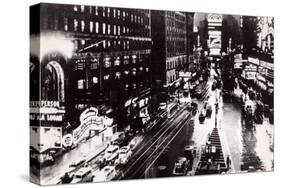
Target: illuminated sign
[[89, 120], [214, 18], [46, 111]]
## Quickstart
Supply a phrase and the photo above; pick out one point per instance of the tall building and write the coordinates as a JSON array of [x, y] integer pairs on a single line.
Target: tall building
[[169, 50], [110, 66], [190, 37]]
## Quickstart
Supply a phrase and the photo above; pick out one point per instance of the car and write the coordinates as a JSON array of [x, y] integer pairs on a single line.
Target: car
[[75, 164], [181, 166], [162, 106], [208, 110], [202, 116], [125, 153], [111, 153], [119, 140], [82, 175], [106, 174]]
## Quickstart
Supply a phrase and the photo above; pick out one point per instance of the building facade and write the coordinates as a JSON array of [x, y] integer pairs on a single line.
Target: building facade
[[110, 64], [169, 51]]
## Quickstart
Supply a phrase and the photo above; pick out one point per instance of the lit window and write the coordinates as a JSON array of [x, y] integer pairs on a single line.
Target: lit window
[[80, 84], [75, 25], [124, 30], [65, 24], [95, 80], [82, 25], [114, 13], [114, 29], [91, 26], [97, 11], [119, 30], [108, 12], [97, 27], [82, 42], [75, 8], [118, 14], [82, 8], [103, 28], [90, 10], [108, 29], [106, 77], [103, 11]]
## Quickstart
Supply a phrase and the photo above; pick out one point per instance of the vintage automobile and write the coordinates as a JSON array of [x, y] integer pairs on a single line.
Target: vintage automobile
[[82, 175], [111, 153], [125, 154], [106, 174], [181, 166], [208, 109], [248, 114], [75, 165], [202, 116]]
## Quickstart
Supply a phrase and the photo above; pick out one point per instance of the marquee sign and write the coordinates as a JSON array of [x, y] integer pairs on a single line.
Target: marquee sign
[[89, 120]]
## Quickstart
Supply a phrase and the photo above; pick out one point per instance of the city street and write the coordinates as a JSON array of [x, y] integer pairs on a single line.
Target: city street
[[134, 94]]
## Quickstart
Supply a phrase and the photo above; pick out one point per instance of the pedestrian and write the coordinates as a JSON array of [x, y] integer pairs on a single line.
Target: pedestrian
[[228, 162]]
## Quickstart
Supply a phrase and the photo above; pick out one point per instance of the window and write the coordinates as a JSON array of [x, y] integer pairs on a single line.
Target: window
[[75, 8], [119, 30], [82, 8], [95, 80], [108, 12], [114, 13], [80, 84], [103, 11], [65, 20], [91, 26], [124, 30], [90, 10], [118, 14], [75, 24], [82, 25], [108, 29], [106, 77], [97, 27], [103, 28], [97, 11], [114, 29], [82, 42]]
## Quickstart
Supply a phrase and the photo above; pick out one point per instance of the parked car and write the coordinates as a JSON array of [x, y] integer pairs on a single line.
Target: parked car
[[82, 175], [76, 164], [125, 153], [106, 174], [111, 153]]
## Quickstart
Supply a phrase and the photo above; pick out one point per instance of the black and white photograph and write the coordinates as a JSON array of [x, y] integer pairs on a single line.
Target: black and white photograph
[[125, 93]]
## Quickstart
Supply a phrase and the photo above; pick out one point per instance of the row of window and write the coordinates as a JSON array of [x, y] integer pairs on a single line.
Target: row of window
[[82, 83], [113, 13], [80, 64]]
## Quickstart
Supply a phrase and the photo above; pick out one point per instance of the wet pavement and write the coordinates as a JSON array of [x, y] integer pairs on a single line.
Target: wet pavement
[[249, 149]]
